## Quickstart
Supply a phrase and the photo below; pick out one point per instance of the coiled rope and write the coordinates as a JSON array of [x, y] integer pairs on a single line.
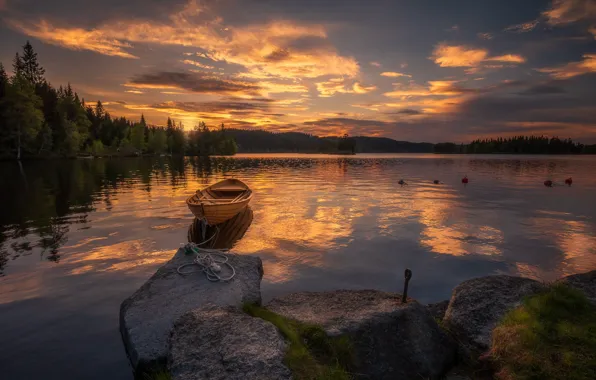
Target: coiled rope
[[210, 261]]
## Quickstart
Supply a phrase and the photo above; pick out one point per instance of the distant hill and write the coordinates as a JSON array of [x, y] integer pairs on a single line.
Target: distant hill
[[259, 141]]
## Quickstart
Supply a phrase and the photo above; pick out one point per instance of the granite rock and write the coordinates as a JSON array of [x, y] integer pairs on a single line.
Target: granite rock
[[391, 340], [147, 317], [477, 305], [223, 343]]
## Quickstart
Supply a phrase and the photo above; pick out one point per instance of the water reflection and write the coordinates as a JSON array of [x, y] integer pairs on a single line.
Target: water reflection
[[222, 236], [78, 236]]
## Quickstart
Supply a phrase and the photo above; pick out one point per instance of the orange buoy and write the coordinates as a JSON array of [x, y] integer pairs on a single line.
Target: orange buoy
[[569, 181], [464, 180], [548, 183]]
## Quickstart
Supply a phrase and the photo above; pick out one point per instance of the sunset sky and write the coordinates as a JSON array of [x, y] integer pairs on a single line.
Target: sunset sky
[[417, 70]]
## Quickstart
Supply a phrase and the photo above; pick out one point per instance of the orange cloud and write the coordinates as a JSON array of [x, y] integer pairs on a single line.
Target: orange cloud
[[269, 49], [569, 11], [197, 64], [360, 89], [572, 69], [394, 74], [74, 38], [134, 91], [339, 86], [435, 88], [463, 56], [458, 56], [512, 58]]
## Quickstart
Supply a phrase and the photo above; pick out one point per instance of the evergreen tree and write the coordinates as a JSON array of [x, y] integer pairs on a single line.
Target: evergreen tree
[[17, 65], [22, 114], [31, 69], [137, 137], [4, 132]]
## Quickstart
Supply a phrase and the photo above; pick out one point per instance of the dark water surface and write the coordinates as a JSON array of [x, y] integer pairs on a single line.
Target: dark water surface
[[78, 237]]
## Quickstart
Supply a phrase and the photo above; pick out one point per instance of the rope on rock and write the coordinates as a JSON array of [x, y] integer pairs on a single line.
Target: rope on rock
[[209, 260]]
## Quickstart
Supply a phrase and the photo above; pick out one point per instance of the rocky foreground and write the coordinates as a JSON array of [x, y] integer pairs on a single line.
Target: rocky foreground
[[197, 330]]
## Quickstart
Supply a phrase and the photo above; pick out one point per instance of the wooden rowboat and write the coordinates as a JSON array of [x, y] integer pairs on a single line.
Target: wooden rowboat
[[220, 202]]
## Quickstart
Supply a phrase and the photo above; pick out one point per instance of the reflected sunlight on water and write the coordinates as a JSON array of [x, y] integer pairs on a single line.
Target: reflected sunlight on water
[[79, 236]]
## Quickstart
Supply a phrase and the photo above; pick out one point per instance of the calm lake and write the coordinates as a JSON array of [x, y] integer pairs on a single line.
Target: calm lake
[[77, 237]]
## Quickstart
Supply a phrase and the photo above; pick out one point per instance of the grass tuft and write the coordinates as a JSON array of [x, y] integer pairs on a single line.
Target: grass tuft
[[312, 354], [551, 336]]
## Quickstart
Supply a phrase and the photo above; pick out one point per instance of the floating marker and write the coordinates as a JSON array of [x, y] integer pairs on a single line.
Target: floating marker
[[569, 181], [402, 182], [464, 180], [548, 183], [436, 182]]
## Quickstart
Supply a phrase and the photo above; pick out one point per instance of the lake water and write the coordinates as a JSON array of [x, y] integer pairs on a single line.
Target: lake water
[[78, 237]]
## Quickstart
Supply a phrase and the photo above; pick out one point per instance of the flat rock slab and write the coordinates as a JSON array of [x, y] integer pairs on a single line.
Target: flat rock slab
[[477, 306], [391, 340], [215, 343], [584, 282], [147, 317]]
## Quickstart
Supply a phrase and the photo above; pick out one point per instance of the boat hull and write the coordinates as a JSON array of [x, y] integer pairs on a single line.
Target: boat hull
[[219, 213], [220, 202]]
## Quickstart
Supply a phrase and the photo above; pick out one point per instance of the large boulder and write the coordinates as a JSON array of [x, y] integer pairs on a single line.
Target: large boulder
[[477, 306], [391, 340], [437, 310], [215, 343], [147, 317], [584, 282]]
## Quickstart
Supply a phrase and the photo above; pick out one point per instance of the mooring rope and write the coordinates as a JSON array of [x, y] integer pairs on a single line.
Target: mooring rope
[[209, 260]]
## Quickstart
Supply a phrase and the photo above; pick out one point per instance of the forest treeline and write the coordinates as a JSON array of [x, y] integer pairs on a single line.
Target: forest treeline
[[519, 145], [40, 120]]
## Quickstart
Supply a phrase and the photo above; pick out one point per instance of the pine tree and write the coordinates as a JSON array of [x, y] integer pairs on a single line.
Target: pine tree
[[22, 115], [32, 71], [17, 65]]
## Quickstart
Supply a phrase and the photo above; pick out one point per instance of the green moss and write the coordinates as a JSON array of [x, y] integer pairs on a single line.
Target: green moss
[[311, 355], [551, 336]]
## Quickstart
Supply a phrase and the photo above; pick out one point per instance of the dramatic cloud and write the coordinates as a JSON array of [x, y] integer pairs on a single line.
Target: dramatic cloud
[[394, 74], [74, 38], [523, 27], [193, 82], [279, 48], [573, 69]]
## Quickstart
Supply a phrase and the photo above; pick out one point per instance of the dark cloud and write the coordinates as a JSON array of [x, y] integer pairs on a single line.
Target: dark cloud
[[213, 107], [407, 111], [194, 82], [543, 89], [278, 55]]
